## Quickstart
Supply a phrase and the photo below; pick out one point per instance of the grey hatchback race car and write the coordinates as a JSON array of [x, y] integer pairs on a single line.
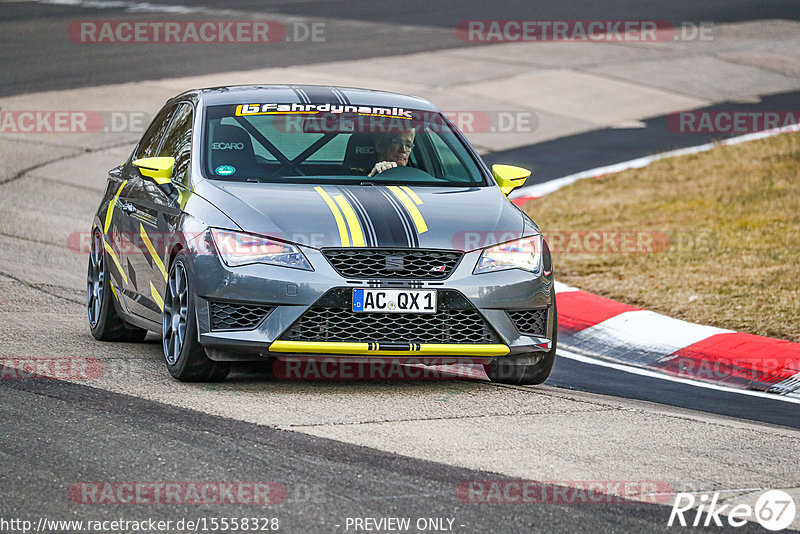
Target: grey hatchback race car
[[296, 222]]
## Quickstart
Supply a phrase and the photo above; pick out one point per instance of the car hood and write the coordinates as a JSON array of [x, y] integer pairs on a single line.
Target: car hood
[[373, 216]]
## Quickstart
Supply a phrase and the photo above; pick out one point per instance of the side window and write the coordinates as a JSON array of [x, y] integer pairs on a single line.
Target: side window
[[451, 165], [152, 137], [178, 143]]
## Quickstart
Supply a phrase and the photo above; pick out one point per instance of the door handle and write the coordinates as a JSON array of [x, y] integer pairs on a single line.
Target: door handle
[[127, 207]]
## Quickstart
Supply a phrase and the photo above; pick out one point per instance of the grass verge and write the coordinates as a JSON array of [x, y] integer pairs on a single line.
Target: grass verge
[[722, 229]]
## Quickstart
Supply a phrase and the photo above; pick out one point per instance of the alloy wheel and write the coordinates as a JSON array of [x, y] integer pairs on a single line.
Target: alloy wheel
[[95, 278], [176, 306]]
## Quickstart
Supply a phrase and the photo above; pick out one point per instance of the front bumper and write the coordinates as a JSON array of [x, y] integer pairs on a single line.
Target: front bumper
[[289, 294]]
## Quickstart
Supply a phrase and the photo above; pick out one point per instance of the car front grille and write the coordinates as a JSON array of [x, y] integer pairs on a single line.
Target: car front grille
[[237, 315], [332, 319], [532, 322], [418, 264]]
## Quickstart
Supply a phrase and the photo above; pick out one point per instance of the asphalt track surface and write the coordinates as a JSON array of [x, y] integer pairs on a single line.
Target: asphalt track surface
[[327, 481], [37, 55], [65, 432]]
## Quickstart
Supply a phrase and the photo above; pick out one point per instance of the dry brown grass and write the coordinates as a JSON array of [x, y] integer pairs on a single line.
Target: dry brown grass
[[739, 205]]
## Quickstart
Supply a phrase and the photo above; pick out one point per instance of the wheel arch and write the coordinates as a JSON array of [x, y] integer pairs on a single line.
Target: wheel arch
[[173, 253]]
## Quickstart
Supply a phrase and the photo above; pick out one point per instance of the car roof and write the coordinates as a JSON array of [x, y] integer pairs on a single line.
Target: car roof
[[304, 94]]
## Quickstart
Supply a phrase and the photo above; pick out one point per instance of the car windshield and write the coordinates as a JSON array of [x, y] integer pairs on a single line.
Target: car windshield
[[325, 143]]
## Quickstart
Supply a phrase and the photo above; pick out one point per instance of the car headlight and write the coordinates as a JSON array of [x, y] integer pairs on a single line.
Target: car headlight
[[237, 248], [525, 254]]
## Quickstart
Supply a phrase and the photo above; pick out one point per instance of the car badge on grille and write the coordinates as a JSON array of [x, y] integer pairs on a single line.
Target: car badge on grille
[[438, 269], [395, 263]]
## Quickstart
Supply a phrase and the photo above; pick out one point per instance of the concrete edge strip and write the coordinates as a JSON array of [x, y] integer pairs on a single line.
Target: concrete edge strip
[[524, 194]]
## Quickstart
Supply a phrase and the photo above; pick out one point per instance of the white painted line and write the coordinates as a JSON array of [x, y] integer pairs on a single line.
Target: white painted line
[[539, 190], [661, 376]]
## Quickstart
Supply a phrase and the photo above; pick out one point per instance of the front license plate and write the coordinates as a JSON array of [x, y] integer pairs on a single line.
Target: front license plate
[[394, 300]]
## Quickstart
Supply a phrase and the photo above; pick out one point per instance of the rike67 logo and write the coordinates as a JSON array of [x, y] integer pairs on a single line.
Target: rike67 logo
[[774, 510]]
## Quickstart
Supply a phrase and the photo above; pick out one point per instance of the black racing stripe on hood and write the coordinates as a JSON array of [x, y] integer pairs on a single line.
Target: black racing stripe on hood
[[300, 94], [389, 227], [408, 222], [341, 95], [320, 95], [370, 238]]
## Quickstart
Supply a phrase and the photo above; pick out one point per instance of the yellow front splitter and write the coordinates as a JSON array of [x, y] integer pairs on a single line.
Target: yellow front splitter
[[374, 349]]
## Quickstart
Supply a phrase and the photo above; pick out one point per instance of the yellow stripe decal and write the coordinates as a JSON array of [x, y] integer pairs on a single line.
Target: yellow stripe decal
[[488, 350], [156, 296], [152, 250], [320, 347], [116, 261], [111, 205], [352, 221], [412, 194], [336, 215], [419, 222], [113, 290]]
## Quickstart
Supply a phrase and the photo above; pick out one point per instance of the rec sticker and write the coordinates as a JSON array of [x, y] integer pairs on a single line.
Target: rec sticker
[[225, 170]]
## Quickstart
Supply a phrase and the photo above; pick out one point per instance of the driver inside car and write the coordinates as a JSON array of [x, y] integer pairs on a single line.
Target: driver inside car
[[392, 150]]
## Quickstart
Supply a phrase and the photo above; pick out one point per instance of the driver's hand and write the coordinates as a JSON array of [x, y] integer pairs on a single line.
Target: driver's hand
[[380, 167]]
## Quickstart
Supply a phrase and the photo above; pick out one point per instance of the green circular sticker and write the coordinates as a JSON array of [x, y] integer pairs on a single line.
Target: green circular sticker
[[225, 170]]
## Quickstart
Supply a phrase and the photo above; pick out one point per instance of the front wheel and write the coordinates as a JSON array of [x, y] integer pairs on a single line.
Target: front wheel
[[525, 369], [185, 357]]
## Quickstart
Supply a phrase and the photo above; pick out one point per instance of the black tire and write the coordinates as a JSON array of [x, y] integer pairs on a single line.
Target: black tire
[[525, 369], [187, 361], [105, 322]]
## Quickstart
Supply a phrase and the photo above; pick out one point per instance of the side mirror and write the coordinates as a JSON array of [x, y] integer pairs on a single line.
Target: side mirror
[[509, 177], [158, 169]]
